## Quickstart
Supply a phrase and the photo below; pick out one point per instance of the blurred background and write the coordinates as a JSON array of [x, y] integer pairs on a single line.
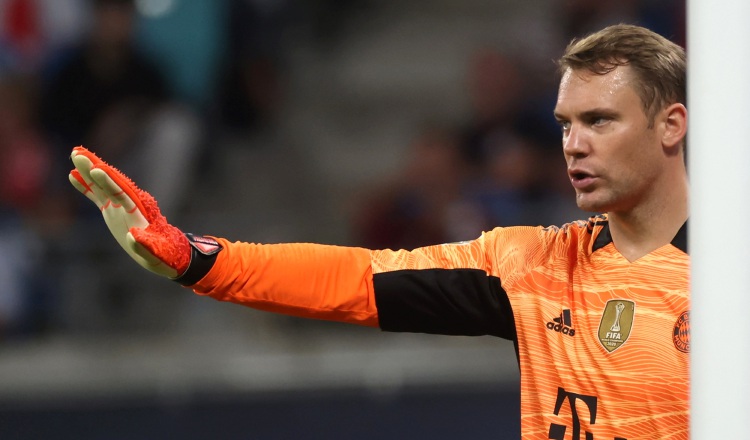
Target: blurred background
[[377, 123]]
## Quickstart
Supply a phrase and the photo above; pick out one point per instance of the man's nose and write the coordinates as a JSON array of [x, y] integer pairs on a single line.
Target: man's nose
[[575, 141]]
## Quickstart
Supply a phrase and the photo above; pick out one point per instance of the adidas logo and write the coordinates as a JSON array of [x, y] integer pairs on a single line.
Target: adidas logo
[[562, 324]]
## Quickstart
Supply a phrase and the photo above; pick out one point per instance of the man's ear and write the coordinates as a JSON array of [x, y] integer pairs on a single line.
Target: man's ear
[[674, 125]]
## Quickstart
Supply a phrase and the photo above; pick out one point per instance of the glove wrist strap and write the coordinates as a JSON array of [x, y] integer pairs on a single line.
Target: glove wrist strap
[[204, 251]]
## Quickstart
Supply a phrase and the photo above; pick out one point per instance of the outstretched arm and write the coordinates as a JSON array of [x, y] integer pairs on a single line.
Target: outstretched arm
[[445, 289], [300, 279]]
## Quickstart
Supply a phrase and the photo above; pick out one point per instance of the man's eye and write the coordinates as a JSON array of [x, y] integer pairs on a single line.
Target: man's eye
[[564, 125], [599, 120]]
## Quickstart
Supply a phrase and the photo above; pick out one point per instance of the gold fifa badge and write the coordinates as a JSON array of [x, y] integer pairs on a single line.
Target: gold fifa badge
[[616, 323]]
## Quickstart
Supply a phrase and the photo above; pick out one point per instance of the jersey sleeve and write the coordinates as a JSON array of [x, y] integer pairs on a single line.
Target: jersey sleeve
[[298, 279], [457, 288], [454, 288]]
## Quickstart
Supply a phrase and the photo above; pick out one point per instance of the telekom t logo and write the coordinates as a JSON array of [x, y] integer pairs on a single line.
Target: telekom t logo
[[557, 432]]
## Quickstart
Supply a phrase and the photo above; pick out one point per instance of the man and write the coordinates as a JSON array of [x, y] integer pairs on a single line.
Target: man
[[597, 309]]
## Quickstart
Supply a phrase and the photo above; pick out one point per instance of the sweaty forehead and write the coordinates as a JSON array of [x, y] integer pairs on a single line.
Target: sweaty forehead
[[581, 86]]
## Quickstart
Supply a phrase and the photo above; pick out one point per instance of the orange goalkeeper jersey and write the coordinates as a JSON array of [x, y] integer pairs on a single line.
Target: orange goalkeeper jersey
[[602, 342]]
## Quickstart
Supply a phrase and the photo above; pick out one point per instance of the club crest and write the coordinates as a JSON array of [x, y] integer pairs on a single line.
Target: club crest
[[681, 333], [616, 323]]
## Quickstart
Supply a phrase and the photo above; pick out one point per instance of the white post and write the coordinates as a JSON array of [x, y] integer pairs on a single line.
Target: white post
[[718, 46]]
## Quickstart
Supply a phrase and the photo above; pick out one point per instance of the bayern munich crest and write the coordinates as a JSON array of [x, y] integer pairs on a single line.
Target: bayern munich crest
[[681, 333]]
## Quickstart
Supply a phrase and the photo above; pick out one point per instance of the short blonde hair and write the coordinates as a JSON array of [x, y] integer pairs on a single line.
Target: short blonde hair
[[659, 64]]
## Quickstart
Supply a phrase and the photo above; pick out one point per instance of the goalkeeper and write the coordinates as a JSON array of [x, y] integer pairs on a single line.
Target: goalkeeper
[[597, 309]]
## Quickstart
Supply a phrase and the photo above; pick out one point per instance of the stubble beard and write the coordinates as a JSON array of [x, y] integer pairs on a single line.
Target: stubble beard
[[606, 200], [597, 201], [585, 203]]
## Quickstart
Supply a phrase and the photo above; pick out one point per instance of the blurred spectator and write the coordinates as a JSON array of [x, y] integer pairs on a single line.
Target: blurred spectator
[[100, 90], [251, 90], [496, 88], [580, 17], [107, 94], [667, 17], [504, 98], [521, 183], [188, 38], [417, 206], [25, 214], [511, 178], [21, 39], [33, 214], [31, 30], [26, 161], [509, 138]]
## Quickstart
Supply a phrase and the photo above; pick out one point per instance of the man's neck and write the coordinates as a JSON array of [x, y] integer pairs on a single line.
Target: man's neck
[[641, 231]]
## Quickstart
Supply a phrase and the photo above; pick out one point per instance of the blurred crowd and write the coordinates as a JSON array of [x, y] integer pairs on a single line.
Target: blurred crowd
[[147, 84]]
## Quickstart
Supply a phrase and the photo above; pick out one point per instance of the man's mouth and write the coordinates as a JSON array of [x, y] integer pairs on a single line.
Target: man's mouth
[[581, 179]]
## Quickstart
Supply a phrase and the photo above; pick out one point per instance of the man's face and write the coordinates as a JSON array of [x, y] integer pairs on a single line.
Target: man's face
[[613, 157]]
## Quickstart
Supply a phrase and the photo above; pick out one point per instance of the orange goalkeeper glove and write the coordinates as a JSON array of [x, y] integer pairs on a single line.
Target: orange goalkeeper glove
[[133, 217]]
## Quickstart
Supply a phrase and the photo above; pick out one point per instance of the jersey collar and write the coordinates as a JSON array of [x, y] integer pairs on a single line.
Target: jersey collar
[[680, 240]]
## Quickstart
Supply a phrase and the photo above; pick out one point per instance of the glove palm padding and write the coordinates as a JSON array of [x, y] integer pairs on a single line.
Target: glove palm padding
[[132, 215]]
